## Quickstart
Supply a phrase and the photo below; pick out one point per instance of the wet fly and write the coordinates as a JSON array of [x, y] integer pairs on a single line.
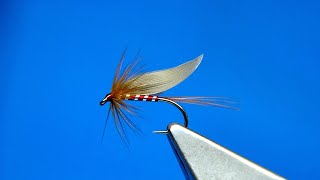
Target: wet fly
[[132, 84]]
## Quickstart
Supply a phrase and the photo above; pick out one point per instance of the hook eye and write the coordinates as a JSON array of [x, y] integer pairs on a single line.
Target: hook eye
[[177, 106], [102, 102], [106, 99]]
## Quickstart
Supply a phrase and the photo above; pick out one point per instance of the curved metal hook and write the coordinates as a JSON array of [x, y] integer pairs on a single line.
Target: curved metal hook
[[185, 116]]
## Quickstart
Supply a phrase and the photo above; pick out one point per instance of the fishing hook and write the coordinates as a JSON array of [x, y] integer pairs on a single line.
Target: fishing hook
[[185, 116]]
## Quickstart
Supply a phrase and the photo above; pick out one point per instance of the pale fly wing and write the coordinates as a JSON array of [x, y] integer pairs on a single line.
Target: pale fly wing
[[158, 81]]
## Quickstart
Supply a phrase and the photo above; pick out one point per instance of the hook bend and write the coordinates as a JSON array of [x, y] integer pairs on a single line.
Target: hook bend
[[185, 116]]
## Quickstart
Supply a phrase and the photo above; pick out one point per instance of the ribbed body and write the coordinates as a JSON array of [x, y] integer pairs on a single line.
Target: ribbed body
[[141, 98]]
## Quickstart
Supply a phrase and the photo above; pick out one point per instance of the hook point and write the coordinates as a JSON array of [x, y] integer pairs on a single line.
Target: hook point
[[160, 132]]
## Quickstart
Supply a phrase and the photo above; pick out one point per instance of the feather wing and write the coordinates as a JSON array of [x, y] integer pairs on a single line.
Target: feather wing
[[158, 81]]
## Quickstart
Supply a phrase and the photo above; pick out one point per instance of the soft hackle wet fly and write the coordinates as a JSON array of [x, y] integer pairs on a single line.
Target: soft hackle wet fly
[[132, 84]]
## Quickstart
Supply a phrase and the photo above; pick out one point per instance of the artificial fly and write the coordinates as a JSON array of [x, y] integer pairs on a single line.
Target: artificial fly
[[132, 84]]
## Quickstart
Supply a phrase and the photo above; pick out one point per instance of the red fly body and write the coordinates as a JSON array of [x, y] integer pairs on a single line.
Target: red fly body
[[132, 84]]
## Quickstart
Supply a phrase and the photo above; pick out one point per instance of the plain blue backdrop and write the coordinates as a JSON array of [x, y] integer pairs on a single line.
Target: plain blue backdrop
[[58, 61]]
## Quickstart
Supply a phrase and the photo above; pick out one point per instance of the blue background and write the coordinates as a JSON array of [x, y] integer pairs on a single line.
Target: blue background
[[58, 61]]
